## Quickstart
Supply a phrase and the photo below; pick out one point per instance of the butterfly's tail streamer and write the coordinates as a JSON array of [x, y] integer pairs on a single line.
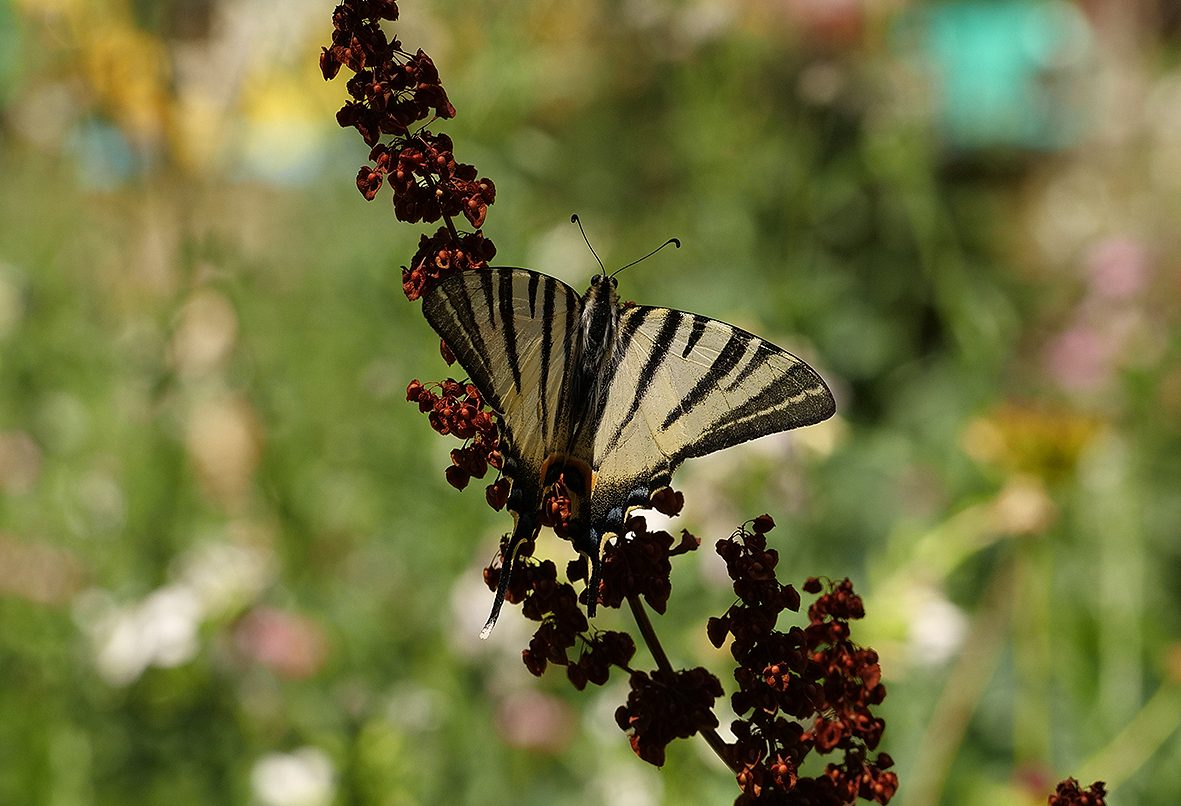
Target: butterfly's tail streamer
[[525, 530]]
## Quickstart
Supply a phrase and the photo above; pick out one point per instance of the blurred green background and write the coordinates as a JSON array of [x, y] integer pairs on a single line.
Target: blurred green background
[[231, 570]]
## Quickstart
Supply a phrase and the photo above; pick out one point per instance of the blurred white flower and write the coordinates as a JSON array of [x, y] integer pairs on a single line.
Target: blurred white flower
[[163, 628], [304, 777], [937, 629], [912, 624], [224, 576], [624, 783], [205, 333]]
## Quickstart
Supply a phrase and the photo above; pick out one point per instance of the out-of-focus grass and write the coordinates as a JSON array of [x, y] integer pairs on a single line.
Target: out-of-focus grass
[[229, 564]]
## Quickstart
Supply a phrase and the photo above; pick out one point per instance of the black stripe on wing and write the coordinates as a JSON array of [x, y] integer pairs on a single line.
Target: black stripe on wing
[[793, 399], [449, 311], [629, 322], [489, 302], [699, 323], [509, 319], [547, 343], [534, 280], [727, 359], [756, 357], [657, 354]]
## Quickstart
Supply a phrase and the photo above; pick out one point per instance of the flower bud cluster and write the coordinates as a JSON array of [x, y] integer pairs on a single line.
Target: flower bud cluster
[[801, 690], [458, 409], [1068, 793], [391, 92]]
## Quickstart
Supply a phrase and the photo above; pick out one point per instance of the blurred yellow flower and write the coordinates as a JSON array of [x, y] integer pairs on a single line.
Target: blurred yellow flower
[[1037, 441]]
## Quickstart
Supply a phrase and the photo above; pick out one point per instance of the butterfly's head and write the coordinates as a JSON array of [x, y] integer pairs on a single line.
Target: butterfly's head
[[602, 287]]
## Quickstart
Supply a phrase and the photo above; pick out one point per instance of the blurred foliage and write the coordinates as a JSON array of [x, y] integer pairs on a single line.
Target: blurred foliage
[[230, 568]]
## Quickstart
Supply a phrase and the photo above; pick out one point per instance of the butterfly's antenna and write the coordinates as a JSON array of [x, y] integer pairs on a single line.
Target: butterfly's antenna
[[674, 241], [574, 219]]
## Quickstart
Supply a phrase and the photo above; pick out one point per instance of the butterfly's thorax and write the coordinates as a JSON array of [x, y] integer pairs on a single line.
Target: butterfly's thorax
[[597, 343]]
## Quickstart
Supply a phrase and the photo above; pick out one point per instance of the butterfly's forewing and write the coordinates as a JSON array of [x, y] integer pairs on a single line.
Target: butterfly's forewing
[[685, 386], [514, 332]]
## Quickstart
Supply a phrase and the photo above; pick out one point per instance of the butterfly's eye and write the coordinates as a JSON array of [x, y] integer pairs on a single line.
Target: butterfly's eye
[[614, 282], [598, 278]]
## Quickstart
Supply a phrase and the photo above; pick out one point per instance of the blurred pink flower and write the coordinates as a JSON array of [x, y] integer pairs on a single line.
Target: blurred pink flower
[[38, 572], [290, 645], [20, 463], [1118, 268], [536, 721], [1080, 359], [1108, 320]]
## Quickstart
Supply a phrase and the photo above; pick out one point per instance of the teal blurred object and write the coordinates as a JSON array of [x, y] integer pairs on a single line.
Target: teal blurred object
[[1008, 74], [104, 157]]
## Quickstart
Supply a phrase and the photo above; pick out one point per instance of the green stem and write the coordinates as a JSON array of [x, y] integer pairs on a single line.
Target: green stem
[[649, 634], [1144, 735], [981, 654]]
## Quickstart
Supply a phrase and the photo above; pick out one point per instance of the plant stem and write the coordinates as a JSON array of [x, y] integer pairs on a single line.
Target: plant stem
[[1144, 734], [648, 633], [961, 696]]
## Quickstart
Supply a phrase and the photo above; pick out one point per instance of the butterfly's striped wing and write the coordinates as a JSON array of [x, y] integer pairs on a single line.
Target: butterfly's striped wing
[[514, 332], [684, 386]]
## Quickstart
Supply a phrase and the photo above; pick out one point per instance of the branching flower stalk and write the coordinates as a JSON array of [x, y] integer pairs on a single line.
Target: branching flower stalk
[[800, 689]]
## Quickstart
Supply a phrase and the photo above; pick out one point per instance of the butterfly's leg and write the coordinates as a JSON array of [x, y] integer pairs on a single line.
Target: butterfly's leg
[[610, 524], [588, 544]]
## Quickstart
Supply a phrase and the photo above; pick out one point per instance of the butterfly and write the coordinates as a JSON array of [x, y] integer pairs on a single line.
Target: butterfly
[[606, 398]]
